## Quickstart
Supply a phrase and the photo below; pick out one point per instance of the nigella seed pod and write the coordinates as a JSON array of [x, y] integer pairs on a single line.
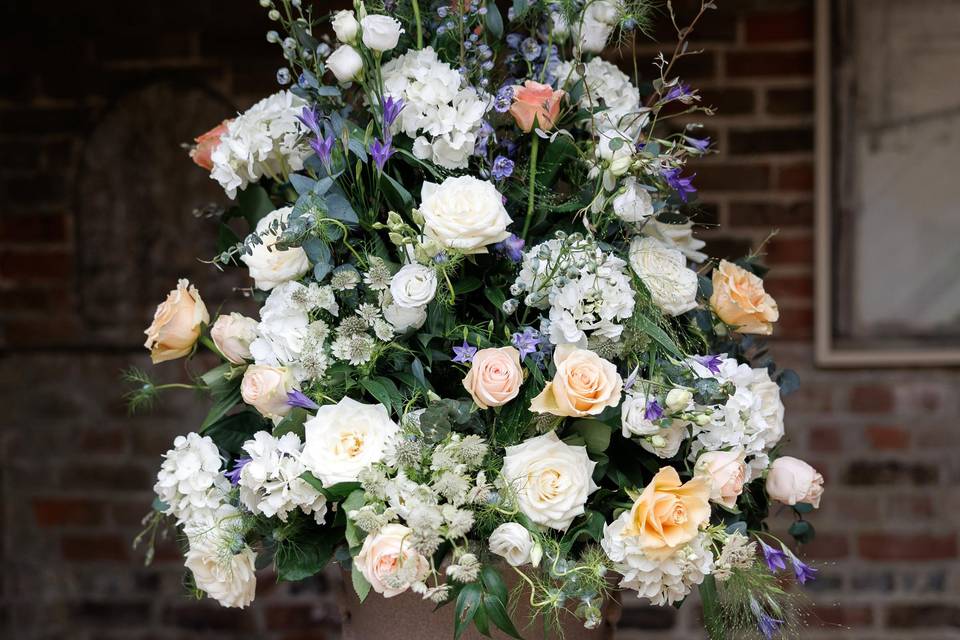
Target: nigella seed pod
[[273, 37], [274, 15], [283, 76]]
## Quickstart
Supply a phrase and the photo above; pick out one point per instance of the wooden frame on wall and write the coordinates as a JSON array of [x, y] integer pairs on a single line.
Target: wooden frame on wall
[[831, 351]]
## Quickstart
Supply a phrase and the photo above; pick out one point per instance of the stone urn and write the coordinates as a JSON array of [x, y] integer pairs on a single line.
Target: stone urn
[[409, 617]]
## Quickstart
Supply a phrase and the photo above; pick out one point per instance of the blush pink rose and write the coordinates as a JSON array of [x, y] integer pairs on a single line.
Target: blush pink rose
[[495, 377], [727, 471], [206, 144], [386, 556], [535, 102], [791, 480], [176, 324]]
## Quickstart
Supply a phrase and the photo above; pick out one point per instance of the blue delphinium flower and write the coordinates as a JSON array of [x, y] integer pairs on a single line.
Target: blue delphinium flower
[[698, 144], [530, 49], [297, 398], [527, 341], [679, 91], [464, 353], [502, 167], [503, 99], [381, 152], [776, 559], [512, 248], [234, 474], [683, 186]]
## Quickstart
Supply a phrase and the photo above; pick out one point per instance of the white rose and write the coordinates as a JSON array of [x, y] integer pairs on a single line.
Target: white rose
[[268, 265], [228, 578], [664, 271], [514, 543], [791, 480], [551, 479], [346, 27], [665, 443], [413, 286], [678, 399], [633, 416], [597, 24], [728, 473], [405, 318], [381, 33], [633, 204], [388, 557], [678, 236], [345, 63], [233, 334], [767, 415], [345, 438], [464, 213], [265, 388]]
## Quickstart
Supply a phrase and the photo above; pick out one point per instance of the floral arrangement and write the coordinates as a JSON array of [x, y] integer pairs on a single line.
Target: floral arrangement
[[488, 340]]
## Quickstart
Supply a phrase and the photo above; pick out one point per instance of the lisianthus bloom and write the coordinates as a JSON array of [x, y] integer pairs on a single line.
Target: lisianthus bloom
[[536, 103], [669, 513], [739, 300], [206, 144]]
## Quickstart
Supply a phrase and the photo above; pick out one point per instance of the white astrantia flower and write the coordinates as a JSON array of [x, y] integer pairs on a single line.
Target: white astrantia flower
[[191, 482], [414, 285], [679, 236], [664, 272], [607, 92], [464, 213], [270, 483], [441, 118], [662, 579], [222, 564], [345, 438], [269, 266], [550, 479], [265, 140]]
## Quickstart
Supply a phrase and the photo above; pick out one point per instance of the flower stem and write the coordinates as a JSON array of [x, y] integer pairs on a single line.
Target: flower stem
[[534, 145], [416, 18]]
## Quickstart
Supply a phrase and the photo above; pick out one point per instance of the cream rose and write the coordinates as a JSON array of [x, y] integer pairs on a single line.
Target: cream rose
[[727, 471], [233, 334], [413, 286], [633, 203], [514, 543], [665, 443], [345, 63], [176, 324], [346, 27], [265, 388], [791, 480], [739, 300], [381, 33], [664, 272], [669, 513], [268, 265], [404, 318], [464, 213], [345, 438], [584, 385], [389, 562], [230, 579], [678, 399], [495, 377], [551, 479]]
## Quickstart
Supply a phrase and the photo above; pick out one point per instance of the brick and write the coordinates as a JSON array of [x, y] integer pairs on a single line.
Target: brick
[[914, 616], [871, 399], [788, 286], [729, 102], [790, 102], [57, 512], [866, 473], [780, 26], [841, 616], [732, 177], [33, 228], [757, 64], [795, 323], [797, 177], [46, 121], [771, 214], [779, 140], [647, 617], [106, 548], [791, 250], [890, 546], [286, 617], [825, 439], [35, 264], [119, 613], [124, 476], [827, 546], [886, 438]]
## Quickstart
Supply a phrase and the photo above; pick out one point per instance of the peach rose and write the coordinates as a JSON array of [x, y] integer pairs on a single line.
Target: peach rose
[[176, 323], [791, 481], [739, 300], [389, 562], [265, 388], [584, 385], [495, 377], [206, 144], [668, 513], [536, 102], [727, 471], [233, 334]]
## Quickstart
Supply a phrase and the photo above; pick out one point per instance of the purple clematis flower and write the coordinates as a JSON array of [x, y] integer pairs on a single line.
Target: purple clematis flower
[[683, 186], [464, 353], [526, 342], [512, 248], [653, 411], [381, 152], [776, 559], [699, 145], [802, 571], [234, 475], [502, 167], [297, 398], [679, 91], [323, 147], [391, 109], [710, 362], [310, 119], [767, 624]]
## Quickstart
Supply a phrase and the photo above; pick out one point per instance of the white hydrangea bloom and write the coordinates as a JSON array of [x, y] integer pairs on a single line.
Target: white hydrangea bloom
[[265, 140], [664, 271], [191, 482], [271, 484], [608, 88], [221, 562], [663, 580], [441, 118], [283, 326]]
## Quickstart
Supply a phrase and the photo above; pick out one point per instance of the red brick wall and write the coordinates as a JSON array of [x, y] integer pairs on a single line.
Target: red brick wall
[[76, 471]]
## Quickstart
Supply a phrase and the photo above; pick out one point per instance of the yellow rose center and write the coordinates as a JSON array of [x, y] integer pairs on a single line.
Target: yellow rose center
[[350, 444], [548, 484]]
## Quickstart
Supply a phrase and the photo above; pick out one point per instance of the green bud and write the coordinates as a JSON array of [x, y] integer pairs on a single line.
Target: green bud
[[396, 238], [417, 217]]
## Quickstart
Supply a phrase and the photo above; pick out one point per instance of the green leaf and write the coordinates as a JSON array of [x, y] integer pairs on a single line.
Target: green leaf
[[468, 601], [596, 434], [467, 284], [592, 526], [493, 583], [494, 21], [221, 407], [712, 614], [253, 203], [378, 391], [292, 423], [803, 507], [302, 184], [398, 194], [659, 335], [230, 432], [496, 610], [301, 559], [802, 531], [360, 584], [339, 208], [558, 152], [353, 535]]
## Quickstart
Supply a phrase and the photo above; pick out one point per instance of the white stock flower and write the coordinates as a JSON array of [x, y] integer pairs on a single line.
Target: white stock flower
[[633, 204], [265, 140], [414, 285], [345, 438], [633, 415], [514, 543], [678, 236], [550, 478], [345, 63], [381, 33], [223, 566], [268, 265], [596, 25], [270, 483], [191, 482], [664, 271], [464, 213], [346, 27]]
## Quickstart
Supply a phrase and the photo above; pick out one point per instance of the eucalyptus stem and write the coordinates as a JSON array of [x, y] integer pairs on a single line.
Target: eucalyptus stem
[[416, 18], [534, 146]]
